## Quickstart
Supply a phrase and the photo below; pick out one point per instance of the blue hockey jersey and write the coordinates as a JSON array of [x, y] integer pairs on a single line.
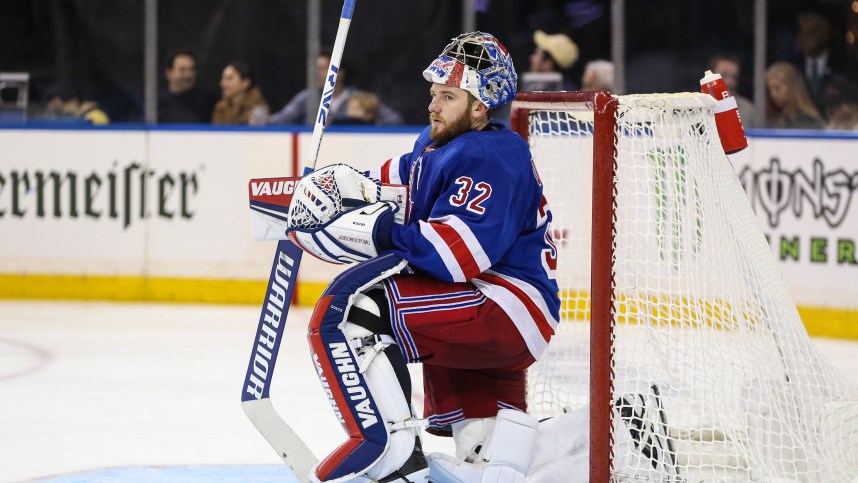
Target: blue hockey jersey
[[477, 214]]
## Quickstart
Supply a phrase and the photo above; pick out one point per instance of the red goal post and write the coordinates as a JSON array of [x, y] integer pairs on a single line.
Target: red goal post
[[675, 322], [604, 107]]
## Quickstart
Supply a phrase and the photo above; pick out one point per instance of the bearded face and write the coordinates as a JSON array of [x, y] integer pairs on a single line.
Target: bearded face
[[449, 112], [444, 130]]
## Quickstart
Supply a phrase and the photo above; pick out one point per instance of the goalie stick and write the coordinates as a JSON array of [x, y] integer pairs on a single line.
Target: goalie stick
[[255, 399]]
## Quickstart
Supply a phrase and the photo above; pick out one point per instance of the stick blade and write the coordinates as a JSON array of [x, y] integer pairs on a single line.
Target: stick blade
[[289, 446]]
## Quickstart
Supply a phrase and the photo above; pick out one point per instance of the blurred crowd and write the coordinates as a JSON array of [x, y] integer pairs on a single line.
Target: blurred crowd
[[813, 86], [816, 90]]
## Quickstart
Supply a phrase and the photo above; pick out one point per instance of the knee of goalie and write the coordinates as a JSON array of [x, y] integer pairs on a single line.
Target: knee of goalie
[[371, 312], [352, 291]]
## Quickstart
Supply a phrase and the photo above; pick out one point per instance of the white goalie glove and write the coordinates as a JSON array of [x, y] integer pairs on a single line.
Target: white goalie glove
[[337, 215], [325, 193]]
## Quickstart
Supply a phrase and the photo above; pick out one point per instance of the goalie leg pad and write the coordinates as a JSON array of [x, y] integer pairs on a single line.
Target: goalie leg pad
[[504, 457], [511, 441], [470, 435], [562, 449], [358, 369], [643, 449]]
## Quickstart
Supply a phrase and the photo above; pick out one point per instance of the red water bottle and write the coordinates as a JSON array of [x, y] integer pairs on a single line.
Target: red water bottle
[[727, 118]]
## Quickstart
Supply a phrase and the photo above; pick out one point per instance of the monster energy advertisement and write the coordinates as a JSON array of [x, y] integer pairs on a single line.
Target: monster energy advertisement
[[804, 194]]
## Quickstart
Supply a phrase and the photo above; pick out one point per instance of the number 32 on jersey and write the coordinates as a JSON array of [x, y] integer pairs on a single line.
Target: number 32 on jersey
[[482, 190]]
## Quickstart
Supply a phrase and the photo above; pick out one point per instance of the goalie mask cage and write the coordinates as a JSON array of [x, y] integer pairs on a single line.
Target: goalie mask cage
[[677, 330]]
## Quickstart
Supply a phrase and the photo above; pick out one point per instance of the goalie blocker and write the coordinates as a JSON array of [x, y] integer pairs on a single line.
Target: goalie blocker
[[270, 200]]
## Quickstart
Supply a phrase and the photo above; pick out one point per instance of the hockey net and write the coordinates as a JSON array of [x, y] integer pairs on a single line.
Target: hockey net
[[676, 326]]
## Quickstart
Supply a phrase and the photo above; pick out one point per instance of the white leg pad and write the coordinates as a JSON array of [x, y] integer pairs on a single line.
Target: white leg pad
[[504, 457], [394, 407], [469, 436], [561, 452], [447, 469], [511, 442]]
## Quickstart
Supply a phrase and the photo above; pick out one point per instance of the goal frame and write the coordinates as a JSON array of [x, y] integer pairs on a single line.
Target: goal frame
[[602, 253], [687, 313]]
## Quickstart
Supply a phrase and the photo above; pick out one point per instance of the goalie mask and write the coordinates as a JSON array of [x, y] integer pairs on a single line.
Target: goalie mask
[[478, 63]]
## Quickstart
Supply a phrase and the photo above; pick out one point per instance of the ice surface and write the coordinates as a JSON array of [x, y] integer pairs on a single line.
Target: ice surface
[[151, 392]]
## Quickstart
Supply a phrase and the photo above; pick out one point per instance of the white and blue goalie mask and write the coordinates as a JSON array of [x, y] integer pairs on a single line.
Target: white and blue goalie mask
[[478, 63]]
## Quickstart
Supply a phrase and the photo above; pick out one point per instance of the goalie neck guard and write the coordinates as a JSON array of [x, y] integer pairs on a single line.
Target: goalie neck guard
[[478, 63]]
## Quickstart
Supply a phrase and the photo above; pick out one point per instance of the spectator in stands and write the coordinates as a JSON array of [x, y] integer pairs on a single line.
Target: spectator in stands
[[841, 109], [184, 100], [598, 76], [67, 103], [820, 62], [552, 56], [788, 105], [729, 68], [240, 97], [362, 108], [295, 111]]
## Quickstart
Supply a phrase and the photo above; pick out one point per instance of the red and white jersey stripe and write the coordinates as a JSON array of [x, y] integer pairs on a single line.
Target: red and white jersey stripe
[[387, 173], [460, 250], [525, 305]]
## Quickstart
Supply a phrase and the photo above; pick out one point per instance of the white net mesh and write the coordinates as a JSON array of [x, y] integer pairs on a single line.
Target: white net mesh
[[702, 312]]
